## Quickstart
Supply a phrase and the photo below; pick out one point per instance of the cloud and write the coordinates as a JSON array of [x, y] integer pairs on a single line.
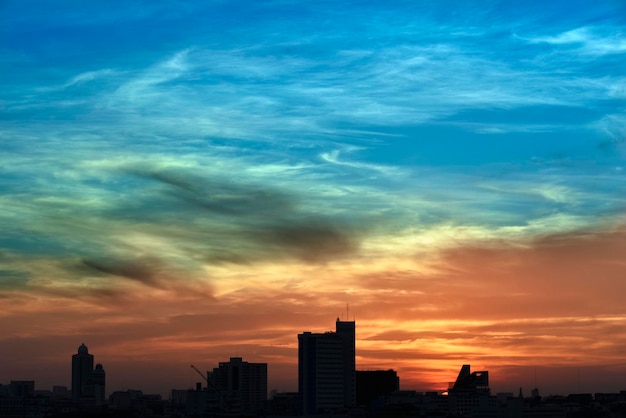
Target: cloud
[[333, 158], [88, 76], [220, 195], [588, 40], [310, 239], [495, 306], [613, 125], [141, 270], [273, 220]]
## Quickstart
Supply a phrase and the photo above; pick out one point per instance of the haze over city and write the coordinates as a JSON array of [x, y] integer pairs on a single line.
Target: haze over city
[[182, 182]]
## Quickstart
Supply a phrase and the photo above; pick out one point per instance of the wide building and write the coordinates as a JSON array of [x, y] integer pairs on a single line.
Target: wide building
[[470, 394], [241, 386], [326, 369]]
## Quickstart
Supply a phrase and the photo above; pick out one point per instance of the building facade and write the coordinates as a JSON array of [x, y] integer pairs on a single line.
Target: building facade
[[88, 384], [82, 366], [326, 369], [241, 386], [470, 394]]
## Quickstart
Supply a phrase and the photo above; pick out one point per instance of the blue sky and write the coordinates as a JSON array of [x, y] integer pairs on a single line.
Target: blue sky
[[227, 148]]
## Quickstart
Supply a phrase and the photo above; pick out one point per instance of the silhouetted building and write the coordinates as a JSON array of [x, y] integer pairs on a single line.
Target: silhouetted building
[[283, 404], [326, 369], [469, 396], [241, 386], [135, 403], [95, 386], [82, 365], [20, 400], [22, 388], [88, 384], [468, 381], [61, 392], [372, 384]]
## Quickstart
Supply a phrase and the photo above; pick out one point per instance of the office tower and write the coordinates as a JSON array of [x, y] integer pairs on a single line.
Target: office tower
[[347, 331], [326, 369], [240, 386], [88, 384], [82, 366]]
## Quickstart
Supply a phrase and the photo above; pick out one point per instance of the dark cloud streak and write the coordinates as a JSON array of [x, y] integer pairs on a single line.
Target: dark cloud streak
[[220, 196], [249, 221], [140, 270]]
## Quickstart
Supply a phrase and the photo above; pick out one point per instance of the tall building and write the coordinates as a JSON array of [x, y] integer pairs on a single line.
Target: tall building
[[82, 366], [88, 384], [241, 386], [326, 369]]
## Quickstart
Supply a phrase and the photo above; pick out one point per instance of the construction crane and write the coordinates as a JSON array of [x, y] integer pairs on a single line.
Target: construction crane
[[201, 375], [224, 401]]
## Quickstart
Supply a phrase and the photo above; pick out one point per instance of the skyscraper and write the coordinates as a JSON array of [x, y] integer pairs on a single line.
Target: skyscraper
[[326, 369], [88, 384], [82, 366]]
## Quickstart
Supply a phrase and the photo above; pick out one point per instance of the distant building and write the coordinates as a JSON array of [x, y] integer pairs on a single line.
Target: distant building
[[470, 394], [372, 384], [94, 387], [18, 400], [283, 404], [82, 365], [241, 386], [22, 388], [326, 369], [468, 381], [61, 392], [88, 384], [135, 403]]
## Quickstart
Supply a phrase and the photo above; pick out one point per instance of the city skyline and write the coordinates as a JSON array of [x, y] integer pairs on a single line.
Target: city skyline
[[586, 383], [186, 181]]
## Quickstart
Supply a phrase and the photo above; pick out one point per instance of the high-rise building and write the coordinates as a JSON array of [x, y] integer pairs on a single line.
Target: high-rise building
[[82, 366], [88, 384], [241, 386], [326, 369]]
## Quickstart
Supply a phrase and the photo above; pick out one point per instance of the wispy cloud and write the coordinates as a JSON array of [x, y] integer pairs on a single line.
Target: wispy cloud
[[587, 40]]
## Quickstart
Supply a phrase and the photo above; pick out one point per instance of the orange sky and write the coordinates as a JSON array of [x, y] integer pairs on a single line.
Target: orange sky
[[552, 305]]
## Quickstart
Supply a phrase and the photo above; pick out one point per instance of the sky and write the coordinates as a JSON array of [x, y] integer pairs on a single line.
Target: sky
[[182, 182]]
